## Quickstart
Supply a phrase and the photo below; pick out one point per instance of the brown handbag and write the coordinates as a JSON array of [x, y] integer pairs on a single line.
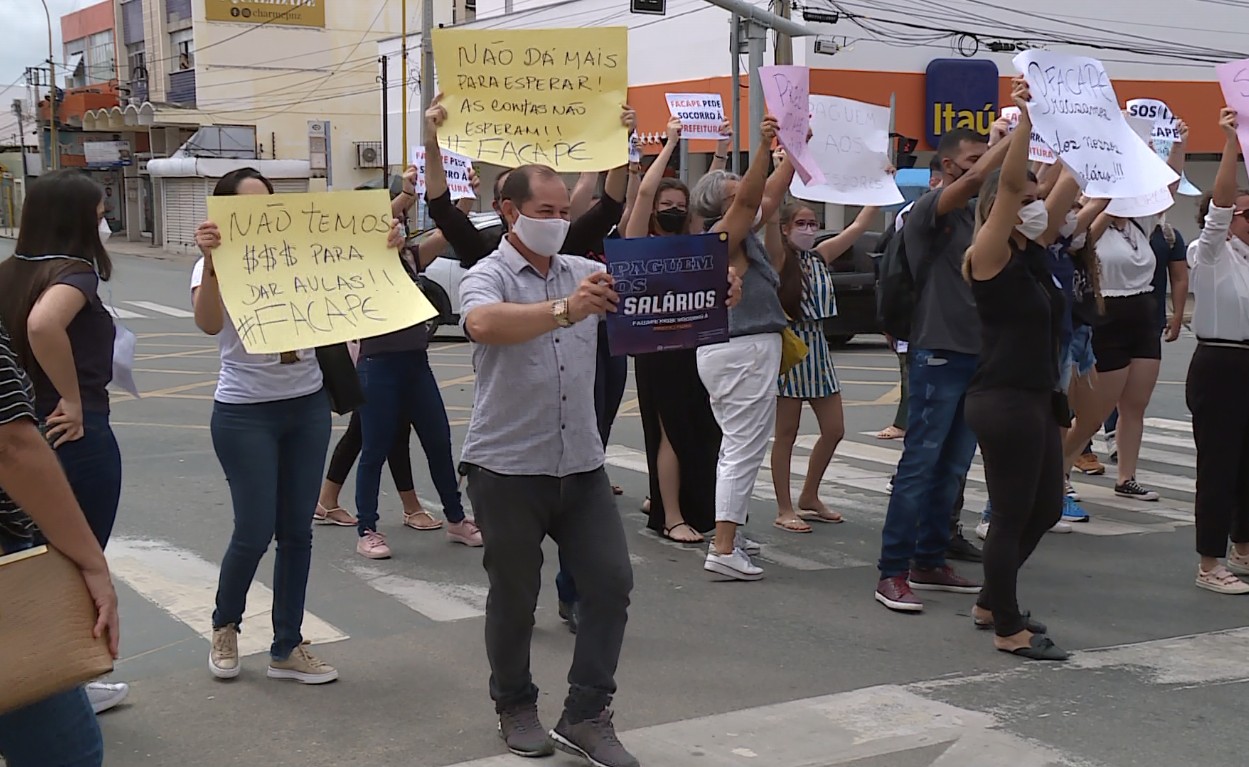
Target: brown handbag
[[47, 618]]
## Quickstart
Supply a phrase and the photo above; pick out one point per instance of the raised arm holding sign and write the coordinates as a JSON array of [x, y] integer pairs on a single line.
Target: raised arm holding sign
[[545, 96]]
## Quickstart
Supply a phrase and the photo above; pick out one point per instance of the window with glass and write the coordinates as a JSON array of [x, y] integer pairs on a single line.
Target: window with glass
[[101, 59], [183, 44]]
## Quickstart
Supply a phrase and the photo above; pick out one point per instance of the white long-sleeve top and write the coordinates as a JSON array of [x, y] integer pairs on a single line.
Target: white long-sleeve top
[[1219, 276]]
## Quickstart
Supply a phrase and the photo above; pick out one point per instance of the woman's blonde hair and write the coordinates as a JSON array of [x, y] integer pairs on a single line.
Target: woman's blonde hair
[[984, 204]]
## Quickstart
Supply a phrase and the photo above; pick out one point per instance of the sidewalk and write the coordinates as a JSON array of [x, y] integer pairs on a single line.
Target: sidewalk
[[119, 247]]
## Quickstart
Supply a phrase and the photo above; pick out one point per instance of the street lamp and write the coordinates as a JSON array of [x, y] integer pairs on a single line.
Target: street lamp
[[54, 147]]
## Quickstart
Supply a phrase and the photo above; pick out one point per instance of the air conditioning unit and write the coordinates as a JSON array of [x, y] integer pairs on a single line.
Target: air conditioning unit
[[369, 155]]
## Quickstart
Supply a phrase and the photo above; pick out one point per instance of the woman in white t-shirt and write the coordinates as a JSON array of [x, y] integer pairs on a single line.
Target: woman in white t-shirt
[[270, 430], [1127, 342]]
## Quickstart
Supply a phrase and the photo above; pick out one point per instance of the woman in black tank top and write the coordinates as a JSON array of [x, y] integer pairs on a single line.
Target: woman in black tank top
[[1011, 403]]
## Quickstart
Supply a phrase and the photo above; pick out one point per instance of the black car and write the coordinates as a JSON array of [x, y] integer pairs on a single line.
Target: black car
[[854, 282]]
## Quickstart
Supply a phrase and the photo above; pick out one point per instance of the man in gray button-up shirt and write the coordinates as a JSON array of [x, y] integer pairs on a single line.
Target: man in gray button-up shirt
[[534, 462]]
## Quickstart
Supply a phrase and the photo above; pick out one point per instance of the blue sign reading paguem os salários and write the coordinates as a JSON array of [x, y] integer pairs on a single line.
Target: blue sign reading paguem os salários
[[961, 93], [672, 292]]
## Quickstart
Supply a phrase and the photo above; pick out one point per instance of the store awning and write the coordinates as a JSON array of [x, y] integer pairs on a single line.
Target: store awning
[[144, 115]]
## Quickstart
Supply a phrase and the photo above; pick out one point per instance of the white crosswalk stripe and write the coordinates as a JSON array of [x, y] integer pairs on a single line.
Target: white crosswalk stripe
[[153, 308], [123, 314]]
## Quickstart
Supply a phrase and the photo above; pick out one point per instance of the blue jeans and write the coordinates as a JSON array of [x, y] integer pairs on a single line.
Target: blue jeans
[[273, 454], [936, 456], [564, 584], [93, 467], [60, 731], [400, 388]]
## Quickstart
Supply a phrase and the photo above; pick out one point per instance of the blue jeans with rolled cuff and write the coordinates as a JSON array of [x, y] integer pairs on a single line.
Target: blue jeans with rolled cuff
[[60, 731]]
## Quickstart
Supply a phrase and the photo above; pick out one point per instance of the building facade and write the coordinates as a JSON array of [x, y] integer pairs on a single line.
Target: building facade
[[292, 84]]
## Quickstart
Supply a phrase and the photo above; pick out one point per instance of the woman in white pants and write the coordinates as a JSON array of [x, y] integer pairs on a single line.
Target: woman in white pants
[[740, 376]]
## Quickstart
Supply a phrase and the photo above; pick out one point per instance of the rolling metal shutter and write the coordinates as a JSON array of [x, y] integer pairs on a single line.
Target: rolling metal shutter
[[184, 210]]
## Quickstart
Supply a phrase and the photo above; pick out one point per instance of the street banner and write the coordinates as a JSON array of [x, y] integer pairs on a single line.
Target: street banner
[[1076, 113], [787, 92], [299, 271], [547, 96], [457, 168], [701, 114], [850, 144], [1037, 150], [672, 292]]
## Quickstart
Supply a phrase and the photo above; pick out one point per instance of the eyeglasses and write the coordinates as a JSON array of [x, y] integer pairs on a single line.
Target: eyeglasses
[[807, 226]]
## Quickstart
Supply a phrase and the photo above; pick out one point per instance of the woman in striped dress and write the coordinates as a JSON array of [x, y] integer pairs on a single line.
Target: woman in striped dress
[[806, 292]]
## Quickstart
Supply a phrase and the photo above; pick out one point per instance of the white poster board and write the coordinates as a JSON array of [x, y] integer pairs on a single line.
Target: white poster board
[[850, 144]]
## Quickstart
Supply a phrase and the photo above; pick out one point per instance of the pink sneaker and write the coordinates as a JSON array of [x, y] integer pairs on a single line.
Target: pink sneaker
[[372, 545], [465, 532]]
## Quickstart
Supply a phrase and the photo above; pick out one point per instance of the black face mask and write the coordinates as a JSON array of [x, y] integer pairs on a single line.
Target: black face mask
[[672, 220]]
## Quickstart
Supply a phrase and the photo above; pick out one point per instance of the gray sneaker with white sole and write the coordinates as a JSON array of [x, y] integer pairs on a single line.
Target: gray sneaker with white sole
[[593, 740]]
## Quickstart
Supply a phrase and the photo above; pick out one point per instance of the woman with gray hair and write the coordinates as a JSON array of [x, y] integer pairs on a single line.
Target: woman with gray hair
[[740, 376]]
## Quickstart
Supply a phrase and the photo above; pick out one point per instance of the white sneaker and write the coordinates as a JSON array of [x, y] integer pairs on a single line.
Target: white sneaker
[[1220, 580], [982, 530], [105, 695], [1061, 527], [736, 565], [740, 541]]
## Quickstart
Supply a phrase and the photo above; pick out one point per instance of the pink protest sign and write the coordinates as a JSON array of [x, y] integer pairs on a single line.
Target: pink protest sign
[[787, 92], [1234, 79]]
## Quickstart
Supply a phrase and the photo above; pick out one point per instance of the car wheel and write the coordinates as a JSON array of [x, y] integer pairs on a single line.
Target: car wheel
[[838, 341], [438, 297]]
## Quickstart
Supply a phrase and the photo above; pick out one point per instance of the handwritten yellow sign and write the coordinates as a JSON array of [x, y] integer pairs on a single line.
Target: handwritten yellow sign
[[305, 270], [548, 96]]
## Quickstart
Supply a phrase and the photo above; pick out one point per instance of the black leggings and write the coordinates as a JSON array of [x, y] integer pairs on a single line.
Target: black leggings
[[1019, 441], [348, 450], [1216, 398]]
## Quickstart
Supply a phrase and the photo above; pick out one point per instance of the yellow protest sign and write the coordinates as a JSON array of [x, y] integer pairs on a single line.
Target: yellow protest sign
[[548, 96], [304, 270]]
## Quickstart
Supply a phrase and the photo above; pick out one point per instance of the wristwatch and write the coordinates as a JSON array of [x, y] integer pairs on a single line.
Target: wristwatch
[[559, 310]]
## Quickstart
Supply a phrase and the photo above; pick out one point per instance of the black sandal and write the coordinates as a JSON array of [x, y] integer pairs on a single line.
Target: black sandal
[[1036, 627], [1040, 648], [667, 533]]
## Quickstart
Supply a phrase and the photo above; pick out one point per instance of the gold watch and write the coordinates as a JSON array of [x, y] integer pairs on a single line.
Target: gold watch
[[559, 310]]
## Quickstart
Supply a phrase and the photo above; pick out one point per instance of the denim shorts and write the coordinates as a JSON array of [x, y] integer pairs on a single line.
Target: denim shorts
[[1077, 356]]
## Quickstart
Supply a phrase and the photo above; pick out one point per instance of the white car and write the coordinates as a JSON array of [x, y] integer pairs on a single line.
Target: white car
[[445, 272]]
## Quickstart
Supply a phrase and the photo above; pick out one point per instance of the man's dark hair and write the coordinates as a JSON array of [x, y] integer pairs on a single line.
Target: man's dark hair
[[934, 165], [519, 185], [499, 180], [952, 141]]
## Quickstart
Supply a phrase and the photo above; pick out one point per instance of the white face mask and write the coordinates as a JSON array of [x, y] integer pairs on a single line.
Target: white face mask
[[544, 236], [1069, 224], [802, 239], [1239, 247], [1033, 219], [105, 231], [758, 219], [1078, 241]]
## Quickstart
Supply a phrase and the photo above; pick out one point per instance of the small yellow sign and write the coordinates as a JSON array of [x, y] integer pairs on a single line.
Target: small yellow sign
[[305, 270], [547, 96], [294, 13]]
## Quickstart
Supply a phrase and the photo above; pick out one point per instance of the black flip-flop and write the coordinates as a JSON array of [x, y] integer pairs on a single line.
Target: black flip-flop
[[1040, 648], [1036, 627], [667, 533]]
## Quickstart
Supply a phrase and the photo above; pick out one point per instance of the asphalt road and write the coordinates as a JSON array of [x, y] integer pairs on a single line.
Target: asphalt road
[[802, 669]]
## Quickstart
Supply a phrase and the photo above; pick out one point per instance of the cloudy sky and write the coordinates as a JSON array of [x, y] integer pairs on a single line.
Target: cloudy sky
[[25, 30]]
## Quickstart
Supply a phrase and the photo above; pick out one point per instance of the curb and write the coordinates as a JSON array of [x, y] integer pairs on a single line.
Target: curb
[[132, 249]]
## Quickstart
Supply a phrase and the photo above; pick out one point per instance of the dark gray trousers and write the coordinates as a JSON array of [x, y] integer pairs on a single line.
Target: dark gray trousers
[[515, 514]]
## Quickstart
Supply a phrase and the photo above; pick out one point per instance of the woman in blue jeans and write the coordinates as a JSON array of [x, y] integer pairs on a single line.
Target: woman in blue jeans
[[63, 336], [270, 430]]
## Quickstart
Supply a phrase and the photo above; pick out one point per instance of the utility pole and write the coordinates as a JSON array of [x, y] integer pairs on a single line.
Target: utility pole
[[384, 60], [403, 78], [757, 22], [427, 57], [784, 43], [21, 136], [53, 151], [735, 48]]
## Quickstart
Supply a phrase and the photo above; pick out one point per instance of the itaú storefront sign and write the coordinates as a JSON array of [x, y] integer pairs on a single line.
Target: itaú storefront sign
[[295, 13], [961, 93]]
